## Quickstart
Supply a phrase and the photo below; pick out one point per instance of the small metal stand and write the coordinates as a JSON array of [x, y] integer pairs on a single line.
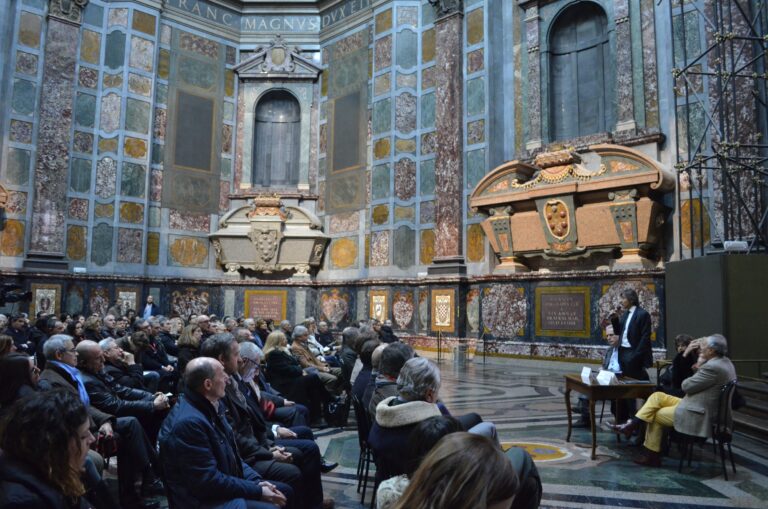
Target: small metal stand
[[439, 346]]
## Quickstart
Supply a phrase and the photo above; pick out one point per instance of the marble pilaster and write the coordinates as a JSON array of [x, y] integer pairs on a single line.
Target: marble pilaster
[[449, 161], [625, 118], [50, 205], [533, 140]]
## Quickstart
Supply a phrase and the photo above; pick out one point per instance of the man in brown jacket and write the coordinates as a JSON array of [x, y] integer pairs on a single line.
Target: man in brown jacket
[[331, 377], [693, 414]]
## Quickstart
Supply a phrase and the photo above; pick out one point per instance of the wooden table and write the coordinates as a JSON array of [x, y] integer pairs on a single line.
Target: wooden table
[[596, 392]]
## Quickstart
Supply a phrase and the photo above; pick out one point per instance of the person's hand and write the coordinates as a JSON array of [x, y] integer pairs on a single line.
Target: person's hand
[[269, 493], [613, 340], [285, 433], [692, 347], [161, 402], [326, 369], [280, 455], [105, 430], [287, 402], [168, 368], [128, 358]]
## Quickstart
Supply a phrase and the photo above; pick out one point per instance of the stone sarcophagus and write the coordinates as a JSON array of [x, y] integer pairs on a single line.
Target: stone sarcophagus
[[268, 237], [602, 209]]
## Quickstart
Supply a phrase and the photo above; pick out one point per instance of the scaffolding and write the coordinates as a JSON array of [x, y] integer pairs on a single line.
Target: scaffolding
[[719, 50]]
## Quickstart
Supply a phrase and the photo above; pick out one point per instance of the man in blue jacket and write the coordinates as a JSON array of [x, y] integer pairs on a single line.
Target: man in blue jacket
[[197, 447]]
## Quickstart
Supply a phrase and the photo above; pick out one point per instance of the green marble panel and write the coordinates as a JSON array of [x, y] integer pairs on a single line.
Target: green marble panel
[[23, 99], [322, 167], [428, 110], [158, 153], [17, 169], [475, 167], [161, 93], [114, 53], [229, 111], [428, 14], [427, 177], [382, 116], [80, 176], [94, 14], [407, 46], [154, 217], [137, 116], [226, 168], [380, 182], [689, 22], [133, 180], [404, 253], [476, 96], [101, 242], [85, 110], [197, 73], [39, 4]]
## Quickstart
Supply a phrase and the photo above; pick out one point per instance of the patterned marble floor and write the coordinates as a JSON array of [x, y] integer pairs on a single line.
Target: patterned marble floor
[[525, 400]]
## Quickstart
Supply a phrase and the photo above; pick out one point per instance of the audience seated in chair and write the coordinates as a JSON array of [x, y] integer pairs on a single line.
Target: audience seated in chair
[[693, 414], [331, 377], [202, 467]]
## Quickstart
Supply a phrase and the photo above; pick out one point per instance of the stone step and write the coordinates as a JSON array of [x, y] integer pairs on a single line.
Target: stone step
[[753, 390], [755, 427]]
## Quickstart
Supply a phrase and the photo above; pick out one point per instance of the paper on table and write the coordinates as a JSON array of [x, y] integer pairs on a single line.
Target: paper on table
[[586, 373], [607, 377]]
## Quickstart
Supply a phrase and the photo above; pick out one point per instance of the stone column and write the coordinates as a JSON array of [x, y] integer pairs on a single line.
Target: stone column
[[449, 109], [46, 246], [534, 137], [625, 118]]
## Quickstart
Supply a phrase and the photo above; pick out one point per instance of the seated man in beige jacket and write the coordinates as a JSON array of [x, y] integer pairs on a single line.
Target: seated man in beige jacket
[[693, 414], [331, 377]]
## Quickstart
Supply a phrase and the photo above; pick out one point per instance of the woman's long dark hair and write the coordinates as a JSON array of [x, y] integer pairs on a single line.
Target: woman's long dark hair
[[37, 431], [14, 372]]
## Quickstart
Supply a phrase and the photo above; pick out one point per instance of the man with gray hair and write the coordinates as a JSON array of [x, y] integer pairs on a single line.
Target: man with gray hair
[[330, 376], [692, 414], [287, 329], [121, 367], [418, 386]]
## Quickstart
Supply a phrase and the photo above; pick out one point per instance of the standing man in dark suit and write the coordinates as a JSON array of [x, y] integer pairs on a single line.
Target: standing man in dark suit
[[633, 338], [150, 308]]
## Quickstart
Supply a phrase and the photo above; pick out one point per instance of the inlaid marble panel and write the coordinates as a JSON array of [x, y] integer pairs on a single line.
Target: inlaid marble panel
[[379, 249], [106, 177], [187, 251], [428, 143], [427, 212], [104, 210], [427, 247], [344, 222], [114, 53], [133, 180], [137, 116], [475, 61], [135, 148], [189, 222], [343, 253], [383, 52], [405, 179], [101, 249], [475, 243], [110, 113], [17, 168], [428, 110], [476, 96], [30, 28], [130, 246], [475, 32], [112, 80], [80, 175], [405, 113], [142, 53], [83, 142], [78, 209], [476, 132], [153, 248], [475, 167], [407, 16], [143, 22], [382, 116], [199, 45], [17, 203], [380, 214], [382, 148], [427, 46], [405, 146], [380, 182], [23, 98], [76, 242], [404, 247], [383, 21], [26, 63], [12, 238], [407, 49], [107, 145], [131, 212], [21, 131], [88, 78], [156, 185], [90, 47], [139, 85], [117, 17], [382, 84]]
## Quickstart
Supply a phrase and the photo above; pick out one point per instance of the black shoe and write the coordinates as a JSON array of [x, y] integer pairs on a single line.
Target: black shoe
[[153, 487], [326, 467]]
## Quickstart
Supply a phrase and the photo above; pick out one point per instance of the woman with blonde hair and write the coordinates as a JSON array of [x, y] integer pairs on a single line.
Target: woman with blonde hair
[[189, 345], [463, 470], [286, 375]]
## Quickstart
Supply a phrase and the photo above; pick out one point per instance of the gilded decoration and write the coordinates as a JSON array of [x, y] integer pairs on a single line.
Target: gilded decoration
[[45, 298], [443, 305], [378, 304], [557, 210]]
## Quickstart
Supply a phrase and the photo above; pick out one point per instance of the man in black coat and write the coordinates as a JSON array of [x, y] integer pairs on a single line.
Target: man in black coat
[[109, 396], [199, 454], [633, 338], [293, 461], [118, 367]]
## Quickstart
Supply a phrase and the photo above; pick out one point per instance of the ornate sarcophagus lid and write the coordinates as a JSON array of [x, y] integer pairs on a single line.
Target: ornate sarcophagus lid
[[268, 237], [601, 209]]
